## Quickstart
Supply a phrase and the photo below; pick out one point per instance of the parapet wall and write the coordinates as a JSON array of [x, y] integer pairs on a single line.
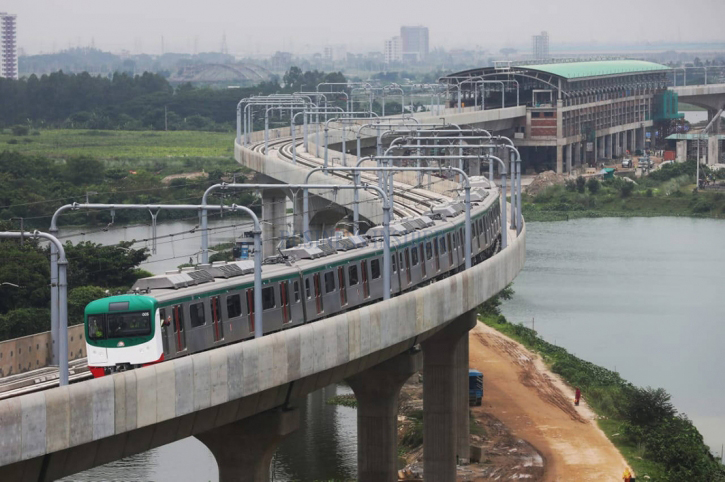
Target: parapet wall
[[31, 352]]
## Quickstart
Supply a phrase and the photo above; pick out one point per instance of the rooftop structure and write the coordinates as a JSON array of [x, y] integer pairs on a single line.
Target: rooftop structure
[[8, 46]]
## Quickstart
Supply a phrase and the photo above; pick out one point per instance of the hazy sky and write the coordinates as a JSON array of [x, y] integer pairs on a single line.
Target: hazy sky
[[264, 26]]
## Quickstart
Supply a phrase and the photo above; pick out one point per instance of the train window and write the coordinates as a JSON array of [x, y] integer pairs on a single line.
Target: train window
[[234, 306], [196, 314], [394, 264], [437, 255], [296, 289], [341, 281], [428, 250], [96, 327], [422, 260], [414, 255], [307, 288], [352, 274], [284, 301], [364, 271], [268, 301], [442, 244], [179, 328], [329, 282], [375, 268]]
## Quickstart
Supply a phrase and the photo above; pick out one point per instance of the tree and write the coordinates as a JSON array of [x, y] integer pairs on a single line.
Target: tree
[[293, 78], [593, 185], [626, 189], [78, 299], [104, 266], [649, 406], [508, 51], [580, 184], [24, 322], [84, 170]]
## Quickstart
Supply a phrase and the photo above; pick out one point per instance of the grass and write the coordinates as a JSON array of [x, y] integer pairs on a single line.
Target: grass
[[115, 145], [631, 452]]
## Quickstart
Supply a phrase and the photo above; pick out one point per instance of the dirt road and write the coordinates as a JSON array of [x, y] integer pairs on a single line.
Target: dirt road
[[536, 406]]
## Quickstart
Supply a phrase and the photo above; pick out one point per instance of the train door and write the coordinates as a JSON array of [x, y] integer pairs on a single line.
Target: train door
[[178, 315], [216, 319], [450, 251], [284, 301], [343, 288], [318, 292], [165, 323], [250, 310], [407, 264], [366, 283], [436, 255], [423, 263]]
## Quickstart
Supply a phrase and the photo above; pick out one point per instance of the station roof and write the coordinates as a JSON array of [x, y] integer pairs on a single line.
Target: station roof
[[577, 70]]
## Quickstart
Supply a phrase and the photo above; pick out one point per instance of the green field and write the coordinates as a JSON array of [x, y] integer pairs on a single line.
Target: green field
[[110, 145]]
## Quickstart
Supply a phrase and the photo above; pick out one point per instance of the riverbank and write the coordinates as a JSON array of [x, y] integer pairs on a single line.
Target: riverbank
[[658, 442], [668, 191]]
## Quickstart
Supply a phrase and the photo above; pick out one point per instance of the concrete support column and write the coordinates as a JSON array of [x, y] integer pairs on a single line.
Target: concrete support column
[[274, 217], [463, 424], [713, 149], [244, 449], [633, 141], [617, 146], [642, 137], [376, 390], [474, 168], [559, 159], [608, 146], [596, 150], [569, 148], [681, 151], [578, 154], [441, 363]]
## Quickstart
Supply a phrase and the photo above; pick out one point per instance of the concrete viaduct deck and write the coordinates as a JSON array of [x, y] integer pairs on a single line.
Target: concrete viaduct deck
[[239, 399]]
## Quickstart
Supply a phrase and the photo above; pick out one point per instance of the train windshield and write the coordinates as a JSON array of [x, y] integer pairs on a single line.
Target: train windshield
[[119, 325]]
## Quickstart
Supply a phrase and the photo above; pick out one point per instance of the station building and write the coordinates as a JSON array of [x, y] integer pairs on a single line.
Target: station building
[[577, 113]]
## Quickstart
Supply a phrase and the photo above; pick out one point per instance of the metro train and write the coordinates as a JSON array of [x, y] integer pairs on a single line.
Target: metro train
[[195, 309]]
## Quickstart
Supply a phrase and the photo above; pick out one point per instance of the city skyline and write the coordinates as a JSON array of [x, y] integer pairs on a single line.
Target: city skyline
[[51, 26]]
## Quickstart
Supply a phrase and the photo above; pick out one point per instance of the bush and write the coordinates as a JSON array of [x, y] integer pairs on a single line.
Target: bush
[[570, 185], [626, 189], [648, 406], [648, 192], [580, 184], [20, 130], [13, 141], [593, 185], [78, 298]]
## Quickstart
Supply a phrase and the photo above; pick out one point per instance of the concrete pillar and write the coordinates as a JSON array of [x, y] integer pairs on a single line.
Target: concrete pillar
[[681, 151], [244, 449], [440, 419], [642, 138], [608, 146], [596, 150], [376, 390], [578, 154], [559, 159], [617, 145], [569, 148], [274, 217], [474, 167], [633, 146], [463, 423], [713, 149]]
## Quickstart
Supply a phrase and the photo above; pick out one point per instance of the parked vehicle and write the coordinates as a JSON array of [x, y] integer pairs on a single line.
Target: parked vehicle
[[627, 163], [475, 388]]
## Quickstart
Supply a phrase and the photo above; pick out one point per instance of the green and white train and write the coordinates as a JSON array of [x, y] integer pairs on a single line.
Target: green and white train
[[195, 309]]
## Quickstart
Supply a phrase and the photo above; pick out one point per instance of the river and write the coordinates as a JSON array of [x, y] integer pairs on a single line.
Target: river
[[638, 295], [642, 296]]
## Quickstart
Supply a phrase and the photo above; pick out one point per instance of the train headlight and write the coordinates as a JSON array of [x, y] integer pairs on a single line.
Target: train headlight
[[120, 343]]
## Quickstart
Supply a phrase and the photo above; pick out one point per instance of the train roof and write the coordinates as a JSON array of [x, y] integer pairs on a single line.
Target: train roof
[[222, 276]]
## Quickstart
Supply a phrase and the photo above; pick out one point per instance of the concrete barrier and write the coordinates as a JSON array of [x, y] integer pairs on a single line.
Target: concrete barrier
[[31, 352]]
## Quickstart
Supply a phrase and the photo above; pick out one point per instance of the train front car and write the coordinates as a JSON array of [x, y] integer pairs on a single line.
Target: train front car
[[122, 333]]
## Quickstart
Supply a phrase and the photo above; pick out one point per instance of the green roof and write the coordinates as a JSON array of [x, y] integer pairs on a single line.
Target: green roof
[[577, 70]]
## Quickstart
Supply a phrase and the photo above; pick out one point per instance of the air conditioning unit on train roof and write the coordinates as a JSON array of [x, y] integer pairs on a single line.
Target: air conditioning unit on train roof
[[396, 229], [223, 269], [304, 251], [345, 243], [172, 280], [480, 182], [444, 210]]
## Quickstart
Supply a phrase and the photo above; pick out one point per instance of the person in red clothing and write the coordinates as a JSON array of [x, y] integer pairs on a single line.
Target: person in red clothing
[[577, 397]]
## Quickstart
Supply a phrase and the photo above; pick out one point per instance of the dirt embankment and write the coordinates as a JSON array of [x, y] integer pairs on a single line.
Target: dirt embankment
[[527, 428]]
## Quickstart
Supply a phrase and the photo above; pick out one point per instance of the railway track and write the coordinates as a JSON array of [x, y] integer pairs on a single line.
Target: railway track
[[408, 201]]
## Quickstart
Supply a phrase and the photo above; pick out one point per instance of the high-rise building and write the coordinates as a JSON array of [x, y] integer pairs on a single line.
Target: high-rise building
[[8, 46], [415, 43], [393, 51], [541, 46]]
